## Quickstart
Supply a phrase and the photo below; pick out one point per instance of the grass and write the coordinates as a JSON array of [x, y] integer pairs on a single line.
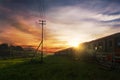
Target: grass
[[54, 68]]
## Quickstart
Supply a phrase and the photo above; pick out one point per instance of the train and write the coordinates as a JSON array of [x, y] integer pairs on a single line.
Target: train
[[65, 52], [105, 49]]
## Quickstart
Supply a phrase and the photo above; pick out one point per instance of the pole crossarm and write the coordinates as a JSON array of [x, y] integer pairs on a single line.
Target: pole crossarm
[[42, 22]]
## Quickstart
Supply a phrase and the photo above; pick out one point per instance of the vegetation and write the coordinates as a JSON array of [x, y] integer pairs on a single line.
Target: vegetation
[[10, 51], [54, 68]]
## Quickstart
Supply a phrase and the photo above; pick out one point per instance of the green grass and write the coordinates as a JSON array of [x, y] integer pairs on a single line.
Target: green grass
[[54, 68]]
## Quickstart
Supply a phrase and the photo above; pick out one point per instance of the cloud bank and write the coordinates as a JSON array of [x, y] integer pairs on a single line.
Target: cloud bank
[[67, 21]]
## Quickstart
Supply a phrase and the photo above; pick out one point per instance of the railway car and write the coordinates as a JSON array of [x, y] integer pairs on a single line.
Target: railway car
[[65, 52], [106, 49]]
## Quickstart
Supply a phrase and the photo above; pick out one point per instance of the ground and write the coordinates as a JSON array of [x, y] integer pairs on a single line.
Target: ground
[[54, 68]]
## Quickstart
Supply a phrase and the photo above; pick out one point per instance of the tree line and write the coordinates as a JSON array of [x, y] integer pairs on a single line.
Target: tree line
[[7, 50]]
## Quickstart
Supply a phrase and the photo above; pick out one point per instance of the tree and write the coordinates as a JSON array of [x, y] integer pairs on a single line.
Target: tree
[[3, 46], [4, 50], [19, 48]]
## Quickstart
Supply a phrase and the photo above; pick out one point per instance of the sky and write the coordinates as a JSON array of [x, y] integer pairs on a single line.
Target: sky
[[68, 22]]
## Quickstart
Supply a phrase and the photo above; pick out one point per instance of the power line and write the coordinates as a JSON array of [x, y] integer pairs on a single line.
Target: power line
[[42, 22]]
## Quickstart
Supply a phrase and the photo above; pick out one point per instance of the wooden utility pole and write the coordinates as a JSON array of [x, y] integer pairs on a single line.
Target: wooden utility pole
[[42, 22]]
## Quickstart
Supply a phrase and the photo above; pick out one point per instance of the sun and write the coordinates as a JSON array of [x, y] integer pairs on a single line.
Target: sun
[[74, 44]]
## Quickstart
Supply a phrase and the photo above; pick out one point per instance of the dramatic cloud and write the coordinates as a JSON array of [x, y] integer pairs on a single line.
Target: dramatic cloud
[[68, 21], [74, 23]]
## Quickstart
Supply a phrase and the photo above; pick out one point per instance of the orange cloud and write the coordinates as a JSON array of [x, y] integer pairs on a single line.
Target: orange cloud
[[27, 33], [60, 31]]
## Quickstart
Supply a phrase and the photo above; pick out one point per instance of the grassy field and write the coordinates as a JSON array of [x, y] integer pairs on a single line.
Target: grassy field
[[54, 68]]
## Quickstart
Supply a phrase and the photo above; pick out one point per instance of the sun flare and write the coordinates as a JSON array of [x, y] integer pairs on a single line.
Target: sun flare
[[74, 44]]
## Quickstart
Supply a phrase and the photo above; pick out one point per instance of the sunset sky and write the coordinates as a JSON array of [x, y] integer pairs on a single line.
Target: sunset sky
[[68, 22]]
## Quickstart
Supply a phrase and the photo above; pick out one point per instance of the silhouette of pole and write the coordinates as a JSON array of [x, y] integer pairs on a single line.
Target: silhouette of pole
[[42, 22]]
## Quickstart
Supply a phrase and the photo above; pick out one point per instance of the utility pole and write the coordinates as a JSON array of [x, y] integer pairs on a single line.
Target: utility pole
[[42, 22]]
